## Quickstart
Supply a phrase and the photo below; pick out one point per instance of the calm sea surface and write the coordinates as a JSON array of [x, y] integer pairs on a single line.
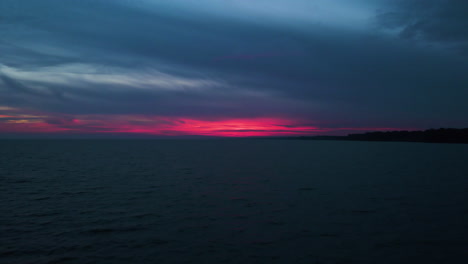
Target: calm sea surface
[[232, 201]]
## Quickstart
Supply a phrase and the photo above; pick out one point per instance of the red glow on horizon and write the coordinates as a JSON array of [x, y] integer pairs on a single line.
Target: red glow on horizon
[[225, 128], [18, 121]]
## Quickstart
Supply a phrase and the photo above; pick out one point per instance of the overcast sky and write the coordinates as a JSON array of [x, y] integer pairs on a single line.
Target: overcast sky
[[232, 67]]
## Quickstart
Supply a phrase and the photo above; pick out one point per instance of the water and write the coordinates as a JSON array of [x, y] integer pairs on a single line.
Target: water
[[232, 201]]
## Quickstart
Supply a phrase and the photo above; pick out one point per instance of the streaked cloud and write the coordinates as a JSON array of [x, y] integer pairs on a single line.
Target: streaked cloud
[[92, 75]]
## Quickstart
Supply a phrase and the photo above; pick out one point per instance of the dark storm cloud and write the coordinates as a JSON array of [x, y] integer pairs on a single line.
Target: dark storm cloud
[[240, 60]]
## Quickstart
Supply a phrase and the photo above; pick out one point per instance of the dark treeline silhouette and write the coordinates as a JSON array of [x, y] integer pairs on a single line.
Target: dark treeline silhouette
[[441, 135]]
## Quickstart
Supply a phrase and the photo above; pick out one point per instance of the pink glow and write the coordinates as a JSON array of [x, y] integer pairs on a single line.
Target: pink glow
[[27, 122], [226, 127]]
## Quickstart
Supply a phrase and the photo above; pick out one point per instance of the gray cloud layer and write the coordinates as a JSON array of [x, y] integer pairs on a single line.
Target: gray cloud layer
[[370, 65]]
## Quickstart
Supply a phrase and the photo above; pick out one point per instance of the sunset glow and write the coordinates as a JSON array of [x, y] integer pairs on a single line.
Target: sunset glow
[[23, 122]]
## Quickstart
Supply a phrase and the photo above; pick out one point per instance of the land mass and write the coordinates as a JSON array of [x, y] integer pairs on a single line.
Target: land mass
[[441, 135]]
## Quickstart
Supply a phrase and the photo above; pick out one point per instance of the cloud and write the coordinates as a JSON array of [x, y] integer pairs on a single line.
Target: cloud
[[92, 89], [89, 75], [292, 13], [439, 21], [320, 61]]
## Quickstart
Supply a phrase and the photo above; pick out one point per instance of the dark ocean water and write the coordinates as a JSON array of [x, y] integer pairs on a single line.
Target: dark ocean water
[[232, 201]]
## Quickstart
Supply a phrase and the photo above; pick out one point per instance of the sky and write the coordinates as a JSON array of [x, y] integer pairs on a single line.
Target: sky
[[231, 67]]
